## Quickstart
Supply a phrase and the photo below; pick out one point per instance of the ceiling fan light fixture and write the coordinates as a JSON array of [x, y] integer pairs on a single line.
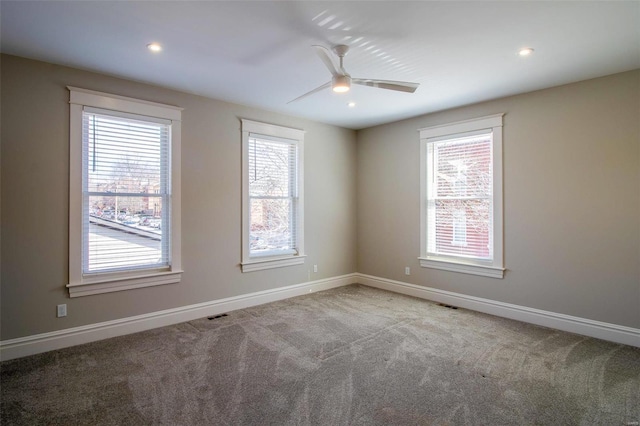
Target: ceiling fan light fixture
[[341, 83], [525, 51]]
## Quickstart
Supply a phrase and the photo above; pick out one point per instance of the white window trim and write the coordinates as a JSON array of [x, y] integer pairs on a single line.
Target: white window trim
[[250, 264], [80, 285], [494, 268]]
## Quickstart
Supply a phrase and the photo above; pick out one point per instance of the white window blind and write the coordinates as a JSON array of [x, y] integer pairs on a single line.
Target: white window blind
[[459, 196], [273, 195], [125, 192]]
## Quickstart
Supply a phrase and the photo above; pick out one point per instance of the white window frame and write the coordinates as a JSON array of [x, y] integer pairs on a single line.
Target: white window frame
[[97, 283], [493, 268], [248, 263]]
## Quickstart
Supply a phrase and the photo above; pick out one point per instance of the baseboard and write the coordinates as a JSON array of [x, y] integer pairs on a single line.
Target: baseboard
[[601, 330], [31, 345]]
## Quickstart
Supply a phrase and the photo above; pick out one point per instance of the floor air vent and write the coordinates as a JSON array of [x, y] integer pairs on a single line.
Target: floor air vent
[[448, 306], [217, 316]]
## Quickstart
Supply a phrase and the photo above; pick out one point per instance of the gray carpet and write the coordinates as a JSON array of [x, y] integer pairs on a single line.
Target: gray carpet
[[348, 356]]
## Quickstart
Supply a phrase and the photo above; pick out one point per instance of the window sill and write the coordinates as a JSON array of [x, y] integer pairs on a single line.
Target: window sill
[[462, 267], [270, 263], [108, 285]]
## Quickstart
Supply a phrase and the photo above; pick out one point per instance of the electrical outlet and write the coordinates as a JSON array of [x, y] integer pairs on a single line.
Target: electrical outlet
[[62, 311], [407, 270], [315, 268]]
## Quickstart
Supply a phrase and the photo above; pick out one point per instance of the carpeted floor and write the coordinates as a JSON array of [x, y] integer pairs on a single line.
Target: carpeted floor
[[348, 356]]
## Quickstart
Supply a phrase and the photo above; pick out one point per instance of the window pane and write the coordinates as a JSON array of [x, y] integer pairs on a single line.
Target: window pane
[[271, 168], [271, 225], [124, 232], [462, 228], [123, 155], [464, 167]]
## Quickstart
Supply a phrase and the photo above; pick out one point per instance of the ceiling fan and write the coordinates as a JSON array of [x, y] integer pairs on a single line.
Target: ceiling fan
[[341, 81]]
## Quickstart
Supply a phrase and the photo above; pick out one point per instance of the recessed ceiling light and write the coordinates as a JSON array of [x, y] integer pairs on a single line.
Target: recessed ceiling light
[[351, 104], [525, 51], [154, 47]]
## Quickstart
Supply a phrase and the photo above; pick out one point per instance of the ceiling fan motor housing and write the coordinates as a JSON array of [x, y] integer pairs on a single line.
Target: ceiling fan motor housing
[[341, 50]]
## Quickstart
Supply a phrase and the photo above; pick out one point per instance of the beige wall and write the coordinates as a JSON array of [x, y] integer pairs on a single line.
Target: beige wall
[[35, 182], [572, 201], [571, 194]]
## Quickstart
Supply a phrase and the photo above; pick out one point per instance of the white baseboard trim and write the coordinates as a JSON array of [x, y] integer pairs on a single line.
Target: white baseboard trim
[[31, 345], [601, 330]]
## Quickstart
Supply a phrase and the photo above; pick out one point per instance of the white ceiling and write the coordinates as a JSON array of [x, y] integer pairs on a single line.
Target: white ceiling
[[260, 54]]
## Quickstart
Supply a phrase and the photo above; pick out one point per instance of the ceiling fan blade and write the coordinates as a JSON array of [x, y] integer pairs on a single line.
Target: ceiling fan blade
[[400, 86], [317, 89], [325, 55]]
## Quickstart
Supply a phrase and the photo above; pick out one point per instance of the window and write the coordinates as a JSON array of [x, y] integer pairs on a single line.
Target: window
[[461, 212], [124, 227], [272, 226]]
